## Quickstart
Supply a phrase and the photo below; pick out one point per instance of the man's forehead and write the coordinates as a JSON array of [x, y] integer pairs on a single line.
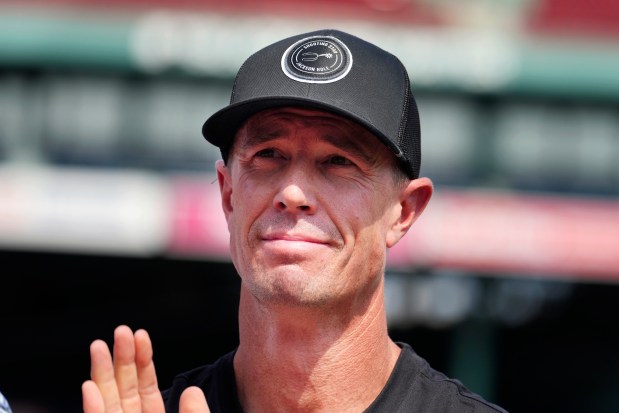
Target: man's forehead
[[272, 123]]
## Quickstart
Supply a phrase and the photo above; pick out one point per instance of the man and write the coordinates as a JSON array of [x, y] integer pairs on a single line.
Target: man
[[319, 178]]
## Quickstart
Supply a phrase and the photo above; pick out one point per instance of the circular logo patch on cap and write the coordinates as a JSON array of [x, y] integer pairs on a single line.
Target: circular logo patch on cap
[[317, 59]]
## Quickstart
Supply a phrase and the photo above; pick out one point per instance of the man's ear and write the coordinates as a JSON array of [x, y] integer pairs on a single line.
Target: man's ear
[[225, 186], [413, 200]]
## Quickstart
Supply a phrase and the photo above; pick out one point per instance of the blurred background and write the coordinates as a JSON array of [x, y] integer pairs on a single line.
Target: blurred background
[[109, 212]]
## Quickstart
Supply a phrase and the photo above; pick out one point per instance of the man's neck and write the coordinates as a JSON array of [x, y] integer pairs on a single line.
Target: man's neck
[[310, 360]]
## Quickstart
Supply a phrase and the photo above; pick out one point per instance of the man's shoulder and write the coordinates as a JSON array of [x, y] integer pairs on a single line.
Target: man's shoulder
[[416, 386], [216, 381]]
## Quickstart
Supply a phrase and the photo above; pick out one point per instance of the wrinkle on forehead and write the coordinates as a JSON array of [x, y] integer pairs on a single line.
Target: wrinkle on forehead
[[345, 134]]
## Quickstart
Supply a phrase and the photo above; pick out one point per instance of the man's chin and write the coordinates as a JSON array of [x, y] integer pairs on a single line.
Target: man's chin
[[291, 285]]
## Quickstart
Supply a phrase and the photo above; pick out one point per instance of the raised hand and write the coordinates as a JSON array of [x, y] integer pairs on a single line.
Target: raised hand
[[127, 383]]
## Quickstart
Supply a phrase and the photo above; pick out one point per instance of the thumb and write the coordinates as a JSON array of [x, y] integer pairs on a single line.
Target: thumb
[[193, 401]]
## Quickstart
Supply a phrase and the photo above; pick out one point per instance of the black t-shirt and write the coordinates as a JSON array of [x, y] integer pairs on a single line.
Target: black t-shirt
[[413, 387]]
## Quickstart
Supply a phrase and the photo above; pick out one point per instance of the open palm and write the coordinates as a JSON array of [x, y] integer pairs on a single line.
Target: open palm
[[127, 382]]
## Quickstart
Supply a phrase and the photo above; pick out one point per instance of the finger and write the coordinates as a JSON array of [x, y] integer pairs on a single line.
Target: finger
[[193, 401], [152, 402], [102, 373], [92, 401], [125, 370]]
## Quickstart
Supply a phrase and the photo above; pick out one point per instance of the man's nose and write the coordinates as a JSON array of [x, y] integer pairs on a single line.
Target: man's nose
[[295, 196]]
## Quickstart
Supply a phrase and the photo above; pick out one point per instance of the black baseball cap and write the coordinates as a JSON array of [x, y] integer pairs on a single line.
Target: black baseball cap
[[328, 70]]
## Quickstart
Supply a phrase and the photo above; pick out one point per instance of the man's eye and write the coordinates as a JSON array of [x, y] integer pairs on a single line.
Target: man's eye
[[266, 153], [339, 160]]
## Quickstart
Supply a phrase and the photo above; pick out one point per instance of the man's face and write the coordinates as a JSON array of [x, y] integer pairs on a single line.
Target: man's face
[[310, 201]]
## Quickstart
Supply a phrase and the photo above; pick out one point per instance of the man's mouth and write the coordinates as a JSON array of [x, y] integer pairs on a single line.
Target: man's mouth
[[299, 238]]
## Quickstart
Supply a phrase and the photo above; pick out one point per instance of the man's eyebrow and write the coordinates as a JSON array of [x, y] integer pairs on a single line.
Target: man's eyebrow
[[259, 138], [349, 145], [352, 147]]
